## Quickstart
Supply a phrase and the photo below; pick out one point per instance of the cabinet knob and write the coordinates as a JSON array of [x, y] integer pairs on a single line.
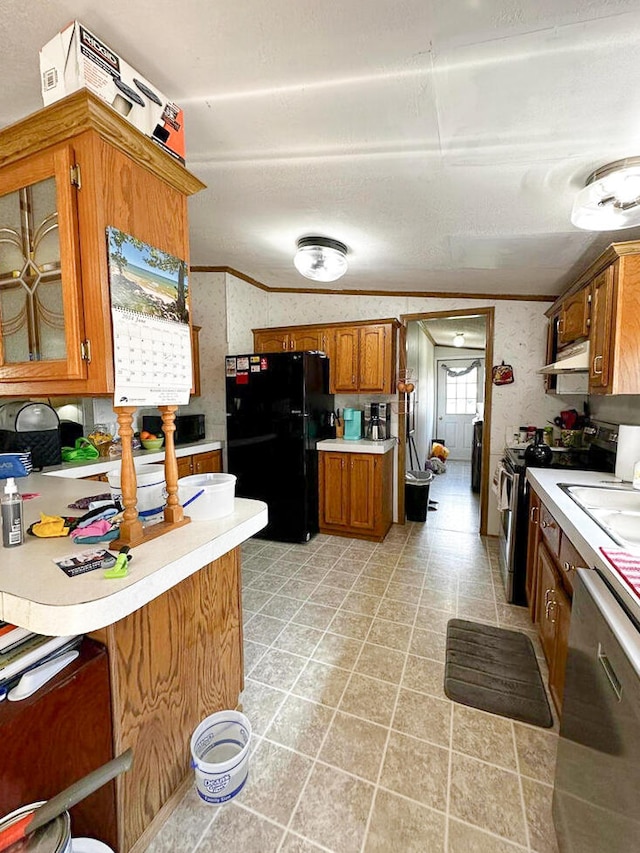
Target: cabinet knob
[[568, 567]]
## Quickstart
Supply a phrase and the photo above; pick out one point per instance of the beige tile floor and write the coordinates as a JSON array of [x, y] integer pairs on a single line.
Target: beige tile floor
[[356, 748]]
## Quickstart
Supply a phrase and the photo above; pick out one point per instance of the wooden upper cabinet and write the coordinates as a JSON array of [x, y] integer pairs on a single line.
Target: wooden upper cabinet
[[40, 281], [615, 328], [344, 370], [75, 168], [602, 300], [376, 354], [573, 323], [362, 355], [304, 340], [271, 340]]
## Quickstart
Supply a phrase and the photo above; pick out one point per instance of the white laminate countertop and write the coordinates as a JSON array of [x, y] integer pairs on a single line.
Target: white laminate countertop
[[36, 594], [587, 536], [361, 445], [77, 470]]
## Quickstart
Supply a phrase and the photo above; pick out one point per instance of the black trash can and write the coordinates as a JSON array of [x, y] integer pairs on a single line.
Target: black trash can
[[416, 494]]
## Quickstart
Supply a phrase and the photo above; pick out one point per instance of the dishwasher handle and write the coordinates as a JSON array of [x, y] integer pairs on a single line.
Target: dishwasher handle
[[609, 671]]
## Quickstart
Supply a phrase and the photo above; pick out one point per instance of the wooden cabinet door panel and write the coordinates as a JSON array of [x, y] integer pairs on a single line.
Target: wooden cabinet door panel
[[546, 593], [550, 530], [345, 366], [574, 317], [602, 299], [271, 341], [207, 463], [560, 614], [372, 345], [303, 340], [185, 466], [334, 491], [532, 553], [363, 494], [43, 317]]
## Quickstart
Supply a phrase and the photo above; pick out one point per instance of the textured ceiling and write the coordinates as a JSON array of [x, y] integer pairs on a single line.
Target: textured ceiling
[[442, 142]]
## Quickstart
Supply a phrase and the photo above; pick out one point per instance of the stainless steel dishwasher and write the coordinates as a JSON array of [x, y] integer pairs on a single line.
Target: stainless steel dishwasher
[[596, 798]]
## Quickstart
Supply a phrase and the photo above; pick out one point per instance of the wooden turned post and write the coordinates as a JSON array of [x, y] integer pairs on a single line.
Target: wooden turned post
[[173, 510], [131, 530]]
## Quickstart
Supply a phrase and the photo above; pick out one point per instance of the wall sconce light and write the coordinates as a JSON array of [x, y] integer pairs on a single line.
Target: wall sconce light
[[321, 258]]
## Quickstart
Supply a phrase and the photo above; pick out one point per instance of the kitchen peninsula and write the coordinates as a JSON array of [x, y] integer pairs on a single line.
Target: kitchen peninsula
[[172, 629]]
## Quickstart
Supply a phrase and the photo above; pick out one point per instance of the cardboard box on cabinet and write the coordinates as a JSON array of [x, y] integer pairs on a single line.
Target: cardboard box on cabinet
[[75, 58]]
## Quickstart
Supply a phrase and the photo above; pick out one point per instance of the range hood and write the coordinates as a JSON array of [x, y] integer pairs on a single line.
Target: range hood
[[573, 359]]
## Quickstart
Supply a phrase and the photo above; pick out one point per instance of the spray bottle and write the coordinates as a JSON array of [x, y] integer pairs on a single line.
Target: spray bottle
[[11, 506]]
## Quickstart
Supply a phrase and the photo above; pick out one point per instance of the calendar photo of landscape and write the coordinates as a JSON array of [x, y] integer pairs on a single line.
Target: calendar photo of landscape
[[146, 280]]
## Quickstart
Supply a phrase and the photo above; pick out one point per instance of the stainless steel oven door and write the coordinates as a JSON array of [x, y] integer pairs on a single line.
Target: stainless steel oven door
[[509, 489]]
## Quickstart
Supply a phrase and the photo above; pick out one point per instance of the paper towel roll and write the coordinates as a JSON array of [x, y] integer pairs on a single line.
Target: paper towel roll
[[628, 451]]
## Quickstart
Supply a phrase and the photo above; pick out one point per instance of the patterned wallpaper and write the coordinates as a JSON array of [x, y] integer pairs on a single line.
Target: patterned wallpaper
[[228, 308]]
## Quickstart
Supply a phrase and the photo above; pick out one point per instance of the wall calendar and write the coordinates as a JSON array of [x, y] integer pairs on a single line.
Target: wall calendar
[[150, 316]]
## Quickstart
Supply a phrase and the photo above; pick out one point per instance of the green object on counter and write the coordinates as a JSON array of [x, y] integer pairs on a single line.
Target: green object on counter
[[82, 452]]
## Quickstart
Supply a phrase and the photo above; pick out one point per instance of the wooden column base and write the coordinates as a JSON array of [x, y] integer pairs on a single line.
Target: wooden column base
[[149, 533]]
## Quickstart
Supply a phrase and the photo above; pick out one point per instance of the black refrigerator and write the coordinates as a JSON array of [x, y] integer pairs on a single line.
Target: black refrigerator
[[278, 408]]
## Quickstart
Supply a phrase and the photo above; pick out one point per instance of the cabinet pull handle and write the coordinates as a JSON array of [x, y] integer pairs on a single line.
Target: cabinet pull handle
[[568, 567], [284, 344], [533, 514], [550, 605], [595, 371], [612, 678], [547, 593]]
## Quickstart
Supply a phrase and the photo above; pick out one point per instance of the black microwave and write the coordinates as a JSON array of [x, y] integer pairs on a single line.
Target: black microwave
[[189, 428]]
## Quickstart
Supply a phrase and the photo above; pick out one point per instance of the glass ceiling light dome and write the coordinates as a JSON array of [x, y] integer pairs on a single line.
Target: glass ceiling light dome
[[458, 339], [611, 198], [321, 258]]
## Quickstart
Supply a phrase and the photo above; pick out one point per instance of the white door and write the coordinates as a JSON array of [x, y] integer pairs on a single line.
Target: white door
[[459, 391]]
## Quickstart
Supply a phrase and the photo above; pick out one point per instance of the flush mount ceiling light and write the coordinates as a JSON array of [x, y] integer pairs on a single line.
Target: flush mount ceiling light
[[611, 197], [458, 339], [321, 258]]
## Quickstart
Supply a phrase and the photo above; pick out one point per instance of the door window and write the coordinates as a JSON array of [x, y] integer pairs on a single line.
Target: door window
[[462, 393]]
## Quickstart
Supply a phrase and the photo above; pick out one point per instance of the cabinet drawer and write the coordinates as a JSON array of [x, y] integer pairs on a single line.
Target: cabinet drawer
[[550, 530], [570, 560]]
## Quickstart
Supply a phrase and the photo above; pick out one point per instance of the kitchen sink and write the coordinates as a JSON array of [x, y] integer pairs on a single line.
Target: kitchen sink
[[616, 510], [600, 497]]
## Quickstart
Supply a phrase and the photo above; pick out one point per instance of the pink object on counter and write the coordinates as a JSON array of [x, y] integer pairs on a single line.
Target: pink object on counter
[[627, 565]]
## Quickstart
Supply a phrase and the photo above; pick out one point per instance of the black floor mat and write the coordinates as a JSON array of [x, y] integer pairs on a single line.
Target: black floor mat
[[495, 670]]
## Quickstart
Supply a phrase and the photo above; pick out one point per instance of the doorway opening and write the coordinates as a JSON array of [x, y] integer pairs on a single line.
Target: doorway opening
[[446, 357]]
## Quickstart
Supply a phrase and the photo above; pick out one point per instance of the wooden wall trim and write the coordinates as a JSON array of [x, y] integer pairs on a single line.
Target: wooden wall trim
[[420, 294]]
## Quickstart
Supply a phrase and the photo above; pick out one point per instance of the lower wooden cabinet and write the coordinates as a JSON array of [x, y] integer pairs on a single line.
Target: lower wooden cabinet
[[201, 463], [552, 561], [58, 735], [356, 494], [209, 462]]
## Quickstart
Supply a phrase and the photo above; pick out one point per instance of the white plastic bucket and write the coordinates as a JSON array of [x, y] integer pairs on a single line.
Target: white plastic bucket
[[89, 845], [151, 494], [220, 755], [207, 496]]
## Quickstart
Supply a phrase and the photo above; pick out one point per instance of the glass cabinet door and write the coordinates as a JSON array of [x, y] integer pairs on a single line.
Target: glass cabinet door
[[40, 307]]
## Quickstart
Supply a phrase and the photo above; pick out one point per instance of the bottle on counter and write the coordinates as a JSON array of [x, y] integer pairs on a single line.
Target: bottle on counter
[[11, 507]]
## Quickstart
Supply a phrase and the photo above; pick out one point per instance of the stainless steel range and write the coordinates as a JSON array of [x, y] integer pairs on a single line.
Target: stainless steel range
[[597, 454]]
